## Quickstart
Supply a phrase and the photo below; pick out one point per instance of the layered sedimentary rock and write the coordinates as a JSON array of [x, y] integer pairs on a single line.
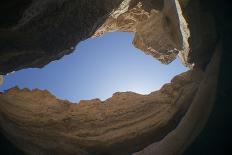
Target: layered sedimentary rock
[[167, 120], [38, 123], [177, 141]]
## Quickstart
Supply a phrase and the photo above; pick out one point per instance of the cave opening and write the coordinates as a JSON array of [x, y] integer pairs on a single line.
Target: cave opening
[[167, 121], [98, 68]]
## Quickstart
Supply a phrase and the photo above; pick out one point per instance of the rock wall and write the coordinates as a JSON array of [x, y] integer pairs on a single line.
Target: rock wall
[[166, 120], [177, 141], [47, 30], [160, 33], [38, 123]]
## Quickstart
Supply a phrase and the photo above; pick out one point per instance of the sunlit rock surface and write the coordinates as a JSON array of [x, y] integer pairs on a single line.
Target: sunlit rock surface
[[123, 124], [192, 123], [47, 30], [160, 30]]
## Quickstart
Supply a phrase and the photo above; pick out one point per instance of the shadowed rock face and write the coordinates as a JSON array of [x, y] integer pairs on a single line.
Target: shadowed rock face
[[9, 18], [166, 120], [47, 30], [177, 141]]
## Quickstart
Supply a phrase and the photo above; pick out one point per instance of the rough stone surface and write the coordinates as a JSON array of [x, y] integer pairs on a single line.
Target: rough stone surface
[[37, 122], [38, 32], [203, 39], [160, 33], [43, 31], [47, 30], [194, 120]]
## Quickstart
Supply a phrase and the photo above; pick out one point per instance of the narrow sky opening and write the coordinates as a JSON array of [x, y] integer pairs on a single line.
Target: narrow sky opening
[[98, 68]]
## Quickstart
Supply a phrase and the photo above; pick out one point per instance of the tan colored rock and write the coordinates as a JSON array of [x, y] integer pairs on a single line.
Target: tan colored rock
[[124, 21], [45, 31], [38, 123], [177, 141], [160, 33], [123, 124], [152, 37]]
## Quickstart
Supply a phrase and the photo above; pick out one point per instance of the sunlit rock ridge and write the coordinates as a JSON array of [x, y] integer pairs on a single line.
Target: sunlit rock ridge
[[162, 123]]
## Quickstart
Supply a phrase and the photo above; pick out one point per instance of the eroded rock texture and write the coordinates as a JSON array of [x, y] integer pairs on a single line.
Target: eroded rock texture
[[177, 141], [161, 33], [47, 30], [39, 32], [115, 126]]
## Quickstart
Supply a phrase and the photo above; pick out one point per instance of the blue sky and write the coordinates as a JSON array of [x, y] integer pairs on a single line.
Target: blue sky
[[98, 68]]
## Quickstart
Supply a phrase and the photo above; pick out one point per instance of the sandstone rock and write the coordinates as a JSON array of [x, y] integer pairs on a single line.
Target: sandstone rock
[[47, 30], [123, 124], [44, 31], [160, 33], [124, 21], [164, 33], [39, 32], [196, 117]]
